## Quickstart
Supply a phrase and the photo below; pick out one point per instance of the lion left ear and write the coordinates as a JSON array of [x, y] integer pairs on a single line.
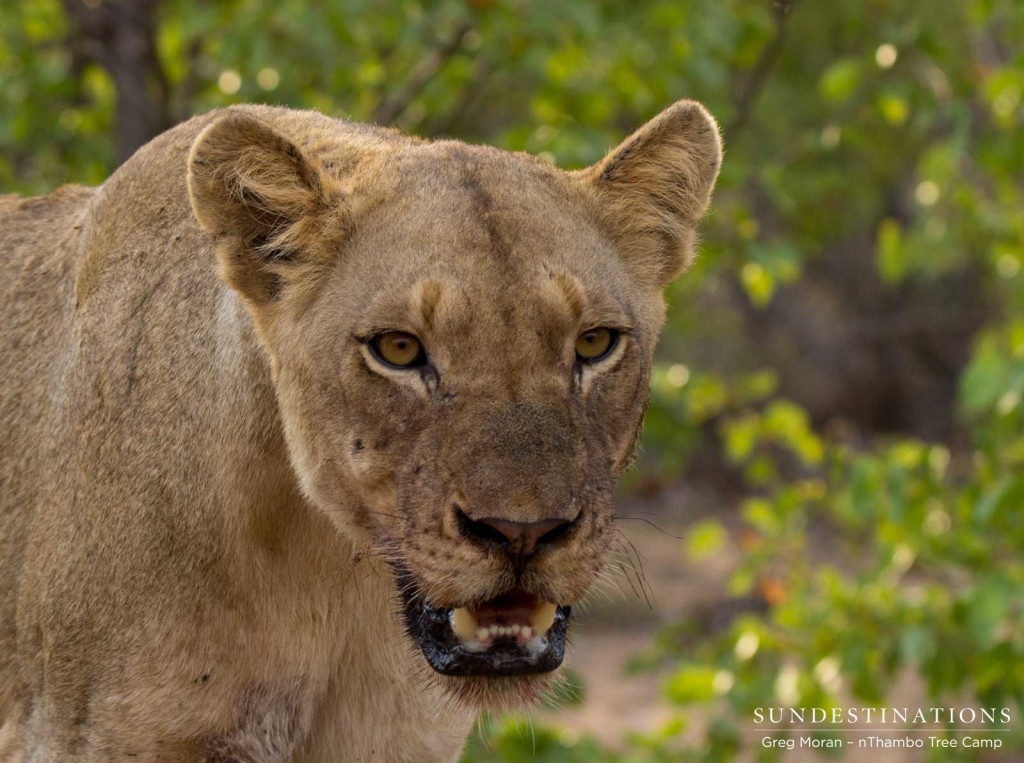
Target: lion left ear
[[655, 187], [269, 207]]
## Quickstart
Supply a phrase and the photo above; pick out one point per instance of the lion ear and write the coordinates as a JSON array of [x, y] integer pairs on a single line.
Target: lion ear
[[656, 185], [270, 209]]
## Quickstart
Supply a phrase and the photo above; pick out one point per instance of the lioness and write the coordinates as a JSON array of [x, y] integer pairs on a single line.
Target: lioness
[[333, 503]]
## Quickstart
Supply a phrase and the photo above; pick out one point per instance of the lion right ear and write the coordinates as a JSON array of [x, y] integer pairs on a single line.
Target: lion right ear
[[654, 188], [270, 209]]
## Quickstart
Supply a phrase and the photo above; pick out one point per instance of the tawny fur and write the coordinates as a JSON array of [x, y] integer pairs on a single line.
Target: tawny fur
[[203, 480]]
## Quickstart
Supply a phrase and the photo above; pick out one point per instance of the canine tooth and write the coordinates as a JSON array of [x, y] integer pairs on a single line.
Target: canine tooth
[[463, 624], [536, 646], [482, 634], [525, 633], [543, 617]]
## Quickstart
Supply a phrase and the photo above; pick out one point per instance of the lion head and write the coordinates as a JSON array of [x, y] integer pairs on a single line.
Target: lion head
[[461, 340]]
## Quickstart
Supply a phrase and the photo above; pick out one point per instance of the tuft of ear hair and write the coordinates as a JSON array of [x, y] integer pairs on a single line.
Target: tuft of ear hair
[[266, 204], [656, 185]]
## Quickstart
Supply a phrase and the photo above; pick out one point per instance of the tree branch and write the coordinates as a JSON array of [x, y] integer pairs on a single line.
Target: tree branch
[[120, 36], [186, 91], [391, 107], [443, 124], [754, 84]]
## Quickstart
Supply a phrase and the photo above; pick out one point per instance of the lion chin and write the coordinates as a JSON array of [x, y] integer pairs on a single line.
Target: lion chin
[[498, 694]]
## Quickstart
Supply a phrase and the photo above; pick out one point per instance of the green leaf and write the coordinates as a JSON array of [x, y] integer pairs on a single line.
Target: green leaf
[[986, 378], [705, 539], [741, 435], [893, 108], [758, 284], [987, 607], [840, 80], [789, 424], [760, 513], [691, 683], [891, 258]]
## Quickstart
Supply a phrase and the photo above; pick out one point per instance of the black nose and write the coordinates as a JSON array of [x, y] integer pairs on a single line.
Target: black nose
[[520, 539]]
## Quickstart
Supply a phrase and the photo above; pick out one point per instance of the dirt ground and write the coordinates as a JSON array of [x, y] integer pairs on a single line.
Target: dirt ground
[[615, 627]]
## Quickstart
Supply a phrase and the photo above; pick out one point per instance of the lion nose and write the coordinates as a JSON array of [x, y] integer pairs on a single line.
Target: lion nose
[[520, 539]]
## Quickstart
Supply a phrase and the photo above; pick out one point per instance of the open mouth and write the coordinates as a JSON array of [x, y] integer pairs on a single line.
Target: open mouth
[[510, 635]]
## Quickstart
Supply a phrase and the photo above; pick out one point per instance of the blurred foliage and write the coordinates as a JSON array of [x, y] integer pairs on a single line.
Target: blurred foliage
[[895, 121]]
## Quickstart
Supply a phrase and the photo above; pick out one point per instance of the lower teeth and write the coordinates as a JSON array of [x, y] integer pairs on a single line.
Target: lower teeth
[[464, 625]]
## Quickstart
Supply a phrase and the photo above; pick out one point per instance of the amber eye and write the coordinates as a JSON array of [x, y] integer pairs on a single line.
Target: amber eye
[[398, 349], [595, 344]]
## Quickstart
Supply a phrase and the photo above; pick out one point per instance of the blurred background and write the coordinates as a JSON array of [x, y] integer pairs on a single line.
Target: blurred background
[[827, 506]]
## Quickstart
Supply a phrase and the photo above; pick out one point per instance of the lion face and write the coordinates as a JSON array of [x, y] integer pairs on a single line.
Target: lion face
[[461, 340]]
